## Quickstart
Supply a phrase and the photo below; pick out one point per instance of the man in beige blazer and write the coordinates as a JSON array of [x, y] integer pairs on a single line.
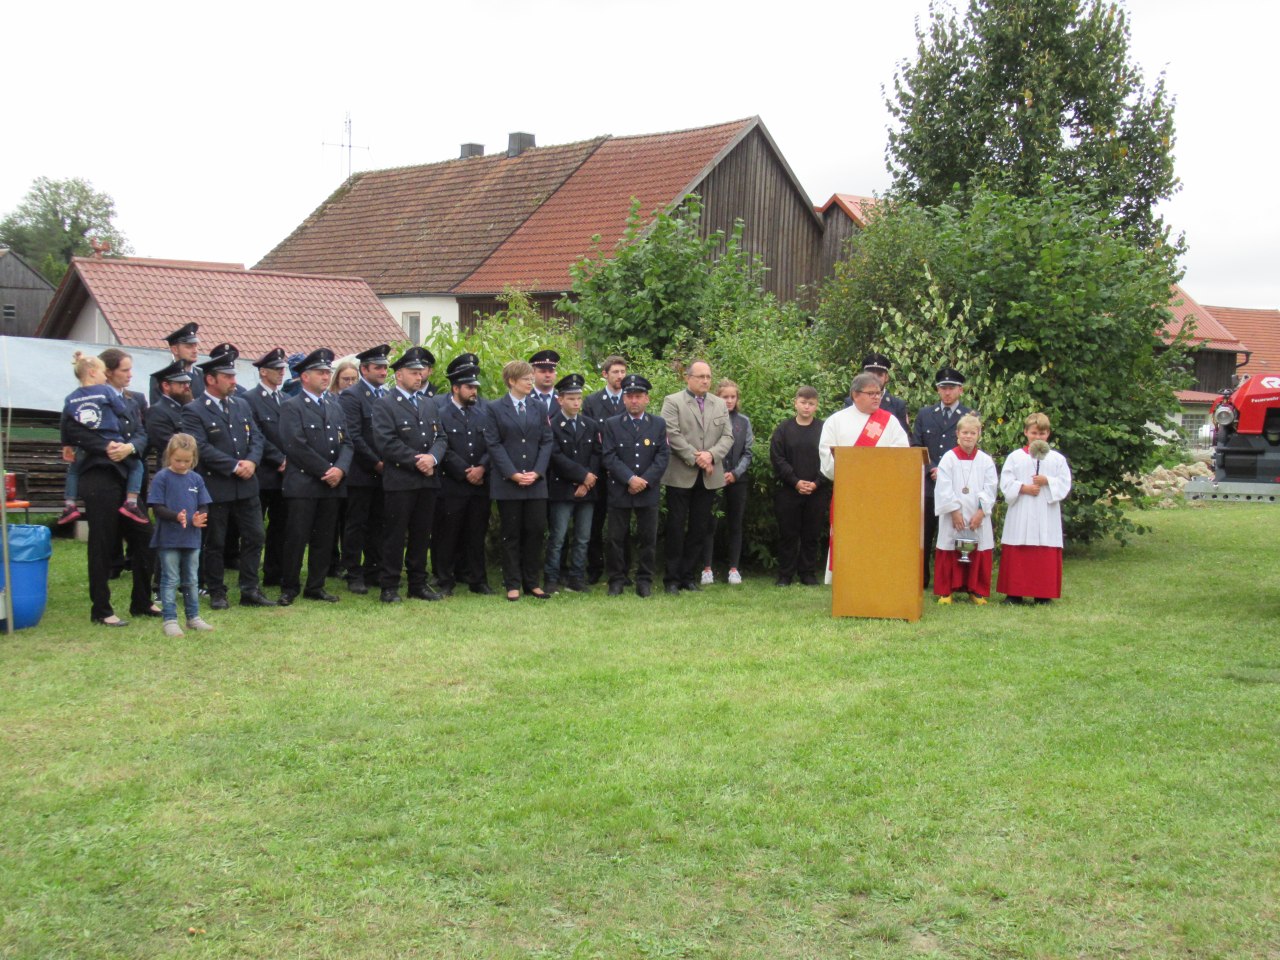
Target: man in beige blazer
[[700, 435]]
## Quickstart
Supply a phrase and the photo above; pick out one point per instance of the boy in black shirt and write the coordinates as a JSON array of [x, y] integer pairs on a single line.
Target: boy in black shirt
[[803, 501]]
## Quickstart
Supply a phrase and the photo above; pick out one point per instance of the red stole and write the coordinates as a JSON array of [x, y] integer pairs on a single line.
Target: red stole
[[873, 429]]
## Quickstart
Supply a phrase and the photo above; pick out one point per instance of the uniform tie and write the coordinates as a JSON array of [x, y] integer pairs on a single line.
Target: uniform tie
[[520, 407]]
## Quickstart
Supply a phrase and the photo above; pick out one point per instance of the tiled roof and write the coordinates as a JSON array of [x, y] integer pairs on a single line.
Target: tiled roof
[[423, 229], [657, 169], [1259, 330], [1195, 396], [854, 206], [1208, 333], [143, 300]]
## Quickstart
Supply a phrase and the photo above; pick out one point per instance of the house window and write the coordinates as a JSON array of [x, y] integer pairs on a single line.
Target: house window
[[412, 324], [1196, 427], [10, 313]]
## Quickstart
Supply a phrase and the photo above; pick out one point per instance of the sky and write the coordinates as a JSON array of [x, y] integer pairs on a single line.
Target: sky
[[214, 127]]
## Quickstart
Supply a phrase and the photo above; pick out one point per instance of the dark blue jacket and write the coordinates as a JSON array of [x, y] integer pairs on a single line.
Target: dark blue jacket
[[357, 406], [224, 439], [267, 415], [164, 419], [314, 438], [466, 448], [402, 431], [628, 451], [517, 444], [573, 456]]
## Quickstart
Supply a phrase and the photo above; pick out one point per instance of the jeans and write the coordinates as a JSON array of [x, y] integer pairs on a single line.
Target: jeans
[[560, 512], [179, 564]]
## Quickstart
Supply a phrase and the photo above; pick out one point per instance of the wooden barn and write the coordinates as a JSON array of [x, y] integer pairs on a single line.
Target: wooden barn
[[24, 295], [446, 239]]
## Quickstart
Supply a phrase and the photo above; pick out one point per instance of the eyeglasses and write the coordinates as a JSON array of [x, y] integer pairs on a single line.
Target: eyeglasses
[[871, 393]]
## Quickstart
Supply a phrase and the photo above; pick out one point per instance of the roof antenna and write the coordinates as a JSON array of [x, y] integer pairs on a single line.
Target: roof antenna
[[346, 144]]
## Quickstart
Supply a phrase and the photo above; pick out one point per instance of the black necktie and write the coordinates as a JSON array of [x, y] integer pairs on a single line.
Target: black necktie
[[520, 407], [573, 427]]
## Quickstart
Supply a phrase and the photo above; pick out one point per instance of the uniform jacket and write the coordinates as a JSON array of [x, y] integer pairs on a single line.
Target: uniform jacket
[[164, 419], [225, 437], [466, 447], [81, 429], [573, 456], [629, 450], [267, 414], [931, 430], [315, 438], [553, 407], [402, 431], [517, 444], [600, 408], [690, 430], [357, 407]]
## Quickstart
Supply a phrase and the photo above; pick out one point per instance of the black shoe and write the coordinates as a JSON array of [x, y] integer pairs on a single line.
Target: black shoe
[[615, 589], [628, 582], [145, 612], [552, 587], [691, 586], [390, 596], [539, 594], [255, 599], [1043, 600], [672, 588], [577, 586], [1016, 601], [445, 591], [646, 590], [286, 598], [107, 622], [594, 578], [357, 586], [782, 582], [482, 588], [425, 593], [219, 602], [322, 595], [809, 580]]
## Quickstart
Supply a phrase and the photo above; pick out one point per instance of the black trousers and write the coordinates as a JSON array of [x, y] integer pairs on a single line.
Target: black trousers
[[734, 498], [362, 533], [275, 518], [688, 522], [313, 522], [930, 531], [408, 515], [646, 543], [102, 490], [523, 525], [802, 520], [248, 518], [457, 542]]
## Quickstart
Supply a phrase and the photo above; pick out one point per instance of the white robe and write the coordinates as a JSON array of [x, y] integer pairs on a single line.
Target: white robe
[[843, 429], [1034, 521], [954, 474]]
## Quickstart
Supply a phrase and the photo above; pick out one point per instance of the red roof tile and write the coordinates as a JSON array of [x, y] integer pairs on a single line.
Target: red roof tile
[[1259, 330], [143, 300], [854, 206], [423, 229], [1195, 396], [657, 169], [1208, 332]]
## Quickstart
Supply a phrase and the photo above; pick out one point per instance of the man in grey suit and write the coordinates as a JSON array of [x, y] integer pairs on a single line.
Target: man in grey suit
[[700, 435]]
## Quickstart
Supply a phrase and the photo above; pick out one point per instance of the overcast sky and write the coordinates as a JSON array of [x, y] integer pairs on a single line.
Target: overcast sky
[[206, 122]]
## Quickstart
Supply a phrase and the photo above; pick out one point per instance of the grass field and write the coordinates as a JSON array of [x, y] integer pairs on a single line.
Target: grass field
[[729, 774]]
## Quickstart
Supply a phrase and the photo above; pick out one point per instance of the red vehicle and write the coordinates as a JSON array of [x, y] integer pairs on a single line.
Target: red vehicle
[[1246, 443]]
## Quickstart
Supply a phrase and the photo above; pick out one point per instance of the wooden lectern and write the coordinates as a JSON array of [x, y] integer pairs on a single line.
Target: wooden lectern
[[878, 532]]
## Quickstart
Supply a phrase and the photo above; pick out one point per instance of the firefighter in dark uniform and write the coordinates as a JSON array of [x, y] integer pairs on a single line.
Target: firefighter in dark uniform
[[544, 394], [230, 447], [362, 531], [634, 456], [265, 400], [462, 511], [164, 416], [411, 443], [880, 365], [317, 456], [572, 479], [935, 429], [428, 389], [184, 345], [600, 406]]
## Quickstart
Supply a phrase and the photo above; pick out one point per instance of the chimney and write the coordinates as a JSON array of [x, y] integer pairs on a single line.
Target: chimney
[[472, 150], [518, 143]]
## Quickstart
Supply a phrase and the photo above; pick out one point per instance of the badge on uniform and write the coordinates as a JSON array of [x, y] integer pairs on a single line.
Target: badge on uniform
[[646, 441]]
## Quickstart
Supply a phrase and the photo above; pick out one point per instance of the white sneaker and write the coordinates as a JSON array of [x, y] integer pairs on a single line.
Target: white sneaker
[[195, 623], [171, 629], [735, 577], [708, 577]]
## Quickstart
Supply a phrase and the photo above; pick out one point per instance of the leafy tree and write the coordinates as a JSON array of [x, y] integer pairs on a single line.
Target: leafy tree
[[55, 221], [659, 282], [1021, 90], [1048, 304]]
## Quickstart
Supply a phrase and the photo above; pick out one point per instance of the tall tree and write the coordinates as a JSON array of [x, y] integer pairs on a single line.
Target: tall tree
[[1020, 90], [55, 221]]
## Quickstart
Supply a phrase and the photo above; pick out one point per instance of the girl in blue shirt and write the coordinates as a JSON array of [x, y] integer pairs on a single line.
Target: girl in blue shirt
[[180, 502]]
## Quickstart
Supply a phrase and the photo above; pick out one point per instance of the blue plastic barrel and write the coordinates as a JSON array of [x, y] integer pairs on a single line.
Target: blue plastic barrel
[[30, 547]]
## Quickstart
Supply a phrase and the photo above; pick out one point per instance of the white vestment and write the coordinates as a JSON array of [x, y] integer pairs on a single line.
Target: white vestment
[[843, 429], [1034, 521], [954, 475]]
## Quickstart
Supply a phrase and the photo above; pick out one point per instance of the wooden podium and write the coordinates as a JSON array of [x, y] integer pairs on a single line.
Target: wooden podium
[[878, 533]]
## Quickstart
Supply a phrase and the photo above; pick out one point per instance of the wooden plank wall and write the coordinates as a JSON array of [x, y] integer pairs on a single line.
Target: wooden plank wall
[[40, 463]]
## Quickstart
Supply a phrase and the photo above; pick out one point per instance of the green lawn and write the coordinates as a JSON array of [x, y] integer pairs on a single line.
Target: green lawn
[[732, 774]]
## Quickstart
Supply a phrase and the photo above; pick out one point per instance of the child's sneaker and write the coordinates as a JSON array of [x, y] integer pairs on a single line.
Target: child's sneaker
[[171, 629], [708, 578], [979, 601], [134, 513], [196, 623], [735, 577], [946, 599], [70, 513]]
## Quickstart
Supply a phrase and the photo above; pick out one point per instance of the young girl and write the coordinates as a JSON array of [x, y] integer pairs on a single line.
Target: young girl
[[95, 405], [180, 501], [964, 496], [1035, 480], [734, 496]]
